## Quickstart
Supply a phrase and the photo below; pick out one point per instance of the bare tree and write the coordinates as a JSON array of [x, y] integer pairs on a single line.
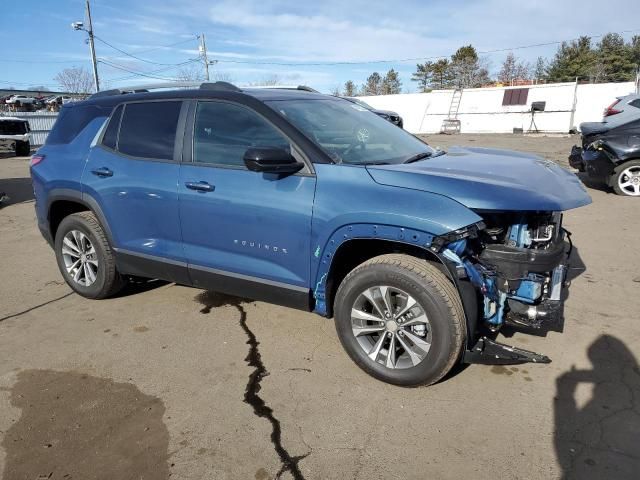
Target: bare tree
[[513, 70], [271, 80], [218, 76], [335, 91], [75, 80], [190, 73]]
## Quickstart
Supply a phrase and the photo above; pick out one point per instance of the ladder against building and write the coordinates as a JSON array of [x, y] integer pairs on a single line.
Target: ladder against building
[[451, 124]]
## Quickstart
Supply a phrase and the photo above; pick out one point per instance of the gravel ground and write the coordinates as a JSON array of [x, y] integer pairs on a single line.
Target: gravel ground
[[166, 380]]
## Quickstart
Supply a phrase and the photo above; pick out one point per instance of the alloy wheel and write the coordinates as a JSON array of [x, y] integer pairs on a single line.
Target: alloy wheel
[[629, 181], [80, 258], [391, 327]]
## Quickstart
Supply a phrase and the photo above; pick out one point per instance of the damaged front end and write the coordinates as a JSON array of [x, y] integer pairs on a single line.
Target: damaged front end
[[517, 263]]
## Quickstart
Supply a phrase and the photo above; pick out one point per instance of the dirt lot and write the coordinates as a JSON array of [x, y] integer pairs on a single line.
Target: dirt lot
[[167, 380]]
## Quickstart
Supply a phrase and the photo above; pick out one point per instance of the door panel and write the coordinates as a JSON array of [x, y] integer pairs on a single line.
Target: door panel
[[250, 223], [133, 176], [139, 200], [246, 223]]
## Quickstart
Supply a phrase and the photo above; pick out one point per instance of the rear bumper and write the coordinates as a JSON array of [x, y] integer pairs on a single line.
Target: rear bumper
[[45, 232]]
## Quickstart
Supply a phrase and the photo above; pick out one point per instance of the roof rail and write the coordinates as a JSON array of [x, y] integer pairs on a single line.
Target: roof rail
[[230, 87], [287, 87], [165, 85]]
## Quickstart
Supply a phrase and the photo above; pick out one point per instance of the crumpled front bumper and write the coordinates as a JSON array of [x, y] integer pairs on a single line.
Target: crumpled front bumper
[[596, 163]]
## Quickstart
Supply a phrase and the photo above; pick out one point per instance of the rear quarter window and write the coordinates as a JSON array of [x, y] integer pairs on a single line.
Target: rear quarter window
[[110, 138], [72, 120]]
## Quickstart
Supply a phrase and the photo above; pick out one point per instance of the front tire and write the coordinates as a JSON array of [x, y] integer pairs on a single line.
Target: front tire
[[400, 319], [85, 257], [626, 179]]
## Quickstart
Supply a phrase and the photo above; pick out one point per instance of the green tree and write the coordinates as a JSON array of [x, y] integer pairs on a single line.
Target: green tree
[[614, 58], [423, 75], [350, 89], [573, 59], [441, 77], [391, 84], [373, 86], [467, 69], [540, 70], [635, 50]]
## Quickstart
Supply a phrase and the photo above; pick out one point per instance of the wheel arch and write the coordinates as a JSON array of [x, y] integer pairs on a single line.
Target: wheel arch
[[355, 251], [64, 202]]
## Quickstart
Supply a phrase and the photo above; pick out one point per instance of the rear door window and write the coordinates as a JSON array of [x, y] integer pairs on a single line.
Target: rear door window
[[148, 129]]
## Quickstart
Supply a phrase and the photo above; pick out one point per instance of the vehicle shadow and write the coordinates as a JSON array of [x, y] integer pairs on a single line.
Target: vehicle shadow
[[599, 438], [594, 184], [16, 190], [576, 267], [136, 285]]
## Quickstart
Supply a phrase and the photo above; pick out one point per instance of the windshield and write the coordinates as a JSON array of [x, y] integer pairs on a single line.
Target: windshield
[[350, 133], [13, 127]]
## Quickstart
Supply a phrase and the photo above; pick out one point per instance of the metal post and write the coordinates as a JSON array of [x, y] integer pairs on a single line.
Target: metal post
[[203, 51], [92, 49], [573, 107]]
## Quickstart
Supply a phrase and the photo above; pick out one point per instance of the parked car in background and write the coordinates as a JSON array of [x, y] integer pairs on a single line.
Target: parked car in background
[[610, 150], [15, 134], [392, 117], [20, 100], [622, 110], [300, 199]]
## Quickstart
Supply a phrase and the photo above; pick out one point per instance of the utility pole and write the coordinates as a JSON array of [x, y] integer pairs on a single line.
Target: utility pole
[[203, 52], [92, 49]]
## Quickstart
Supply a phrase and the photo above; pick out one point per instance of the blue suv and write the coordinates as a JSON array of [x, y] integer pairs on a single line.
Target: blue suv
[[313, 202]]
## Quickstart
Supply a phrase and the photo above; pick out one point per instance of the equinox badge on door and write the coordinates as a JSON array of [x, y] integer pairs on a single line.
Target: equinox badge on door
[[261, 246]]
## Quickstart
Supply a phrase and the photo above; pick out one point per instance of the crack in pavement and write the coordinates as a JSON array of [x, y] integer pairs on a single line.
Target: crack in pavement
[[36, 307], [289, 463], [260, 408]]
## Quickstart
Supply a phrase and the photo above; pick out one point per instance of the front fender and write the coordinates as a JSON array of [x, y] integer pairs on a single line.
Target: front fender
[[350, 205]]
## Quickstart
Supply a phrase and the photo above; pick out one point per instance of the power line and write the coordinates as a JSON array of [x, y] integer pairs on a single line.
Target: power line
[[151, 72], [194, 37], [415, 59], [130, 54], [140, 74]]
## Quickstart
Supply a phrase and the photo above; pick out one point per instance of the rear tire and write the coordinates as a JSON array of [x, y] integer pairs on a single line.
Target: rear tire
[[433, 330], [23, 149], [85, 257], [626, 179]]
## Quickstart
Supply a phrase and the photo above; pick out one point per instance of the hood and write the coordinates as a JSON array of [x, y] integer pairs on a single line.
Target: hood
[[489, 179]]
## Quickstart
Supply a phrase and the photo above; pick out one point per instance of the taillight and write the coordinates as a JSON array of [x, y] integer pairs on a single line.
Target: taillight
[[36, 159], [610, 110]]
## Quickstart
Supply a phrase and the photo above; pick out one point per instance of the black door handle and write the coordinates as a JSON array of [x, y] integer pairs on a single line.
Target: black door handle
[[200, 186], [102, 172]]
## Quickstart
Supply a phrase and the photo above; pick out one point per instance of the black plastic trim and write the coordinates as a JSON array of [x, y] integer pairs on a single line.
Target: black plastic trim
[[251, 287], [150, 266]]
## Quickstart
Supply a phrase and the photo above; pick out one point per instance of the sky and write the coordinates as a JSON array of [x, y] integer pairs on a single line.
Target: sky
[[250, 37]]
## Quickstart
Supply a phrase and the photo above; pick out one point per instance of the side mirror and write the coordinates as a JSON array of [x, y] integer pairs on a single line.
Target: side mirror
[[271, 160]]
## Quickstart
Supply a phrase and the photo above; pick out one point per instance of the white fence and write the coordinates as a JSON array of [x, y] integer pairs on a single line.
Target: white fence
[[481, 109], [39, 122]]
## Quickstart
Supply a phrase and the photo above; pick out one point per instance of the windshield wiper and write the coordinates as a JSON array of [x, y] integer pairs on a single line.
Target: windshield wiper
[[418, 156]]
